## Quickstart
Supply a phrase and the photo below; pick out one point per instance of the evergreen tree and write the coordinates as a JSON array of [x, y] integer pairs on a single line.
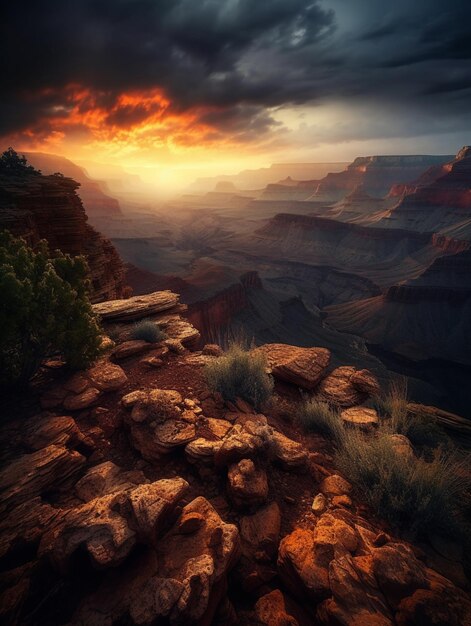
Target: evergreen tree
[[44, 310], [12, 163]]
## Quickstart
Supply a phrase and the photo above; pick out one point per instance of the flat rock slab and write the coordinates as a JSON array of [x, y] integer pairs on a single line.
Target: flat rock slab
[[33, 474], [360, 417], [130, 348], [136, 307], [303, 367]]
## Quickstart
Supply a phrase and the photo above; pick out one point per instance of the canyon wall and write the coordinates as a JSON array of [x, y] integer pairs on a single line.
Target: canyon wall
[[37, 207], [93, 193], [377, 174]]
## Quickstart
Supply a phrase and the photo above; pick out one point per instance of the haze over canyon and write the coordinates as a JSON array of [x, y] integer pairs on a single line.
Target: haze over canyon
[[235, 313]]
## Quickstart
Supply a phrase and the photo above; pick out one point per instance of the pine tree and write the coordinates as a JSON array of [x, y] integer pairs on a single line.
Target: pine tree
[[44, 310]]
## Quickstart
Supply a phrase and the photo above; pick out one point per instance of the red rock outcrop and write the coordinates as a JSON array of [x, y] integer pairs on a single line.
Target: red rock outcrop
[[92, 192], [377, 174], [47, 207], [440, 199]]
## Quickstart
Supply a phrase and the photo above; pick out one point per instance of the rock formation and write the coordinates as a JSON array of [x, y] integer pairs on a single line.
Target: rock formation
[[377, 174], [158, 502], [92, 192], [439, 200], [47, 207]]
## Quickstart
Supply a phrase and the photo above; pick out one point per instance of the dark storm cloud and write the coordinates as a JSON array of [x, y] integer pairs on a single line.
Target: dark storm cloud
[[236, 56]]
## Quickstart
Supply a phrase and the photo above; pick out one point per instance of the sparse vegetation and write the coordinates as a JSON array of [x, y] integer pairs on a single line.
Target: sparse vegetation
[[393, 403], [320, 417], [146, 330], [45, 310], [409, 492], [240, 373], [422, 430]]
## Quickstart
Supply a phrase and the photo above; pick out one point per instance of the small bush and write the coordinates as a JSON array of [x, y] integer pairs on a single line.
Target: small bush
[[410, 493], [240, 374], [320, 417], [146, 330], [45, 308]]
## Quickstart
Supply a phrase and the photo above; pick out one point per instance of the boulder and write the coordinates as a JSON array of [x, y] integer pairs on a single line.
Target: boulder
[[136, 307], [303, 367], [106, 478], [360, 417], [159, 422], [212, 349], [247, 484], [260, 533], [59, 430], [83, 400], [130, 348], [319, 504], [290, 454], [347, 386], [33, 474], [335, 485], [271, 610], [244, 440], [182, 582], [301, 568], [107, 376], [401, 445], [109, 526]]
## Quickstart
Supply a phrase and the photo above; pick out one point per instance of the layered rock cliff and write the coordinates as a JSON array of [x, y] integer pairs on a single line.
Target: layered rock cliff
[[37, 207], [93, 193], [377, 174], [437, 201]]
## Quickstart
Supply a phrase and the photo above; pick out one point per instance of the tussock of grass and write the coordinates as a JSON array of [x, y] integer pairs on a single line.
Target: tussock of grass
[[394, 402], [411, 493], [422, 430], [317, 416], [146, 330], [240, 374]]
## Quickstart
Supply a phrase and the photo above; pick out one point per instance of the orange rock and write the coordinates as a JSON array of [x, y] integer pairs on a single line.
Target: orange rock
[[303, 367]]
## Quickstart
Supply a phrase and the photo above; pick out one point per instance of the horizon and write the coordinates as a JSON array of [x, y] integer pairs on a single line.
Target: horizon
[[166, 89]]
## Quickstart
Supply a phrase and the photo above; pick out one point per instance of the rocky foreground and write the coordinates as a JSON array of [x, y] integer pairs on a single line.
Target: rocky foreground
[[134, 495]]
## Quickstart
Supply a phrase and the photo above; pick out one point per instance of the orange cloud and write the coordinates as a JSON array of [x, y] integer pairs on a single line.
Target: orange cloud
[[127, 121]]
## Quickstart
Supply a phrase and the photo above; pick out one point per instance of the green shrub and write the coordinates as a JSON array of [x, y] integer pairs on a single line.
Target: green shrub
[[320, 417], [240, 374], [44, 310], [146, 330], [409, 492]]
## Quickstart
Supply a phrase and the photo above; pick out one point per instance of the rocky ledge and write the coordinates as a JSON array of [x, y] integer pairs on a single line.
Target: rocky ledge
[[137, 496]]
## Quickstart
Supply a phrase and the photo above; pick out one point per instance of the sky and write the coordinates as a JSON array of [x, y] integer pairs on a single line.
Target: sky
[[211, 86]]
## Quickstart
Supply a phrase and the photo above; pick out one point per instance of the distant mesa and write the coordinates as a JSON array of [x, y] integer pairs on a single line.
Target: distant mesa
[[225, 186], [440, 199], [377, 174]]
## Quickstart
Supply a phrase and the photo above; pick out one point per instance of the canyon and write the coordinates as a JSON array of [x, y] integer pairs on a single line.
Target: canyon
[[132, 492], [365, 240]]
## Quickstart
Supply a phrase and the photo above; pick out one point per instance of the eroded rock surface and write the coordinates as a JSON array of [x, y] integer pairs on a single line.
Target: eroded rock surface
[[303, 367]]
